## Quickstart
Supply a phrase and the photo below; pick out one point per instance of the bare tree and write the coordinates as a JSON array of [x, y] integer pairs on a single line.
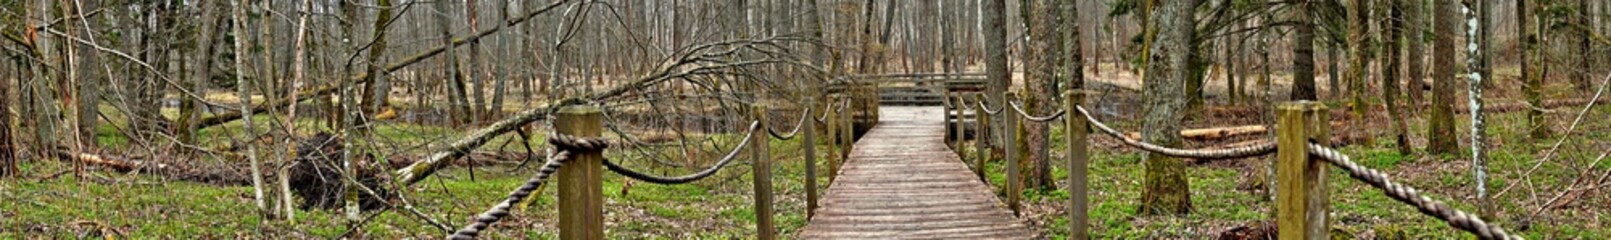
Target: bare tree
[[1441, 138], [1165, 189]]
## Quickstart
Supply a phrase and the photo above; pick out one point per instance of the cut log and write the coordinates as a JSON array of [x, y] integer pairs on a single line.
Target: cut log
[[1214, 133]]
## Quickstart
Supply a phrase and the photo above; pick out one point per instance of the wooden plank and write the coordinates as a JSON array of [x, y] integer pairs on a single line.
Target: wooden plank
[[902, 182], [581, 186]]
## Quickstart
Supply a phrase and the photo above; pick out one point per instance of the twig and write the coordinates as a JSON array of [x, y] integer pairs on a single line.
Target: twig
[[1527, 176]]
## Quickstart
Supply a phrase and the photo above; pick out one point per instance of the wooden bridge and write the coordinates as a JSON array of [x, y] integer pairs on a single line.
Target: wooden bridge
[[902, 181]]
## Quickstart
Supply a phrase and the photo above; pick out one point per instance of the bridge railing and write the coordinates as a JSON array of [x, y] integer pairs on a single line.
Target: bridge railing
[[1301, 147], [579, 164]]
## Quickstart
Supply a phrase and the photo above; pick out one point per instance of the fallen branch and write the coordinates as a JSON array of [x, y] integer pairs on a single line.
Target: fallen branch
[[122, 164], [695, 62]]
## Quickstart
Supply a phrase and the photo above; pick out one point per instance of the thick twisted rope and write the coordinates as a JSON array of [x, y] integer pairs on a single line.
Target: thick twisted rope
[[1033, 118], [1240, 152], [802, 122], [690, 177], [1456, 218], [987, 109], [824, 118], [567, 145]]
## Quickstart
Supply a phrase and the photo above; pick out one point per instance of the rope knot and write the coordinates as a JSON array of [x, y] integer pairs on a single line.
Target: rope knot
[[567, 142]]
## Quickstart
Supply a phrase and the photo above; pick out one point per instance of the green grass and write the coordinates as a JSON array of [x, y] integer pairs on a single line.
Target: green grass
[[145, 206], [1357, 209]]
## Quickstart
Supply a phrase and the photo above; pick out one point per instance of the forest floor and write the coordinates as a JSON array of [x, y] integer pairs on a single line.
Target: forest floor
[[50, 202]]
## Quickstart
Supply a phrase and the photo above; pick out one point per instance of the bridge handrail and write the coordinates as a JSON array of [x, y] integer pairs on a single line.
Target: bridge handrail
[[702, 174], [1032, 117], [1409, 195], [803, 116], [1239, 152], [567, 145]]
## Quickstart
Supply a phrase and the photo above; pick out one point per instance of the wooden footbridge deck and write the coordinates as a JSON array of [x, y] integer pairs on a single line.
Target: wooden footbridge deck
[[902, 182]]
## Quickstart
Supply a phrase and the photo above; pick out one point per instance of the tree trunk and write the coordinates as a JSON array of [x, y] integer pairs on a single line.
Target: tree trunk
[[1165, 189], [1359, 67], [1415, 40], [1441, 138], [1584, 28], [239, 17], [460, 112], [1041, 62], [374, 91], [1476, 55], [995, 38], [1390, 75], [191, 108], [478, 100], [1537, 122], [1303, 62]]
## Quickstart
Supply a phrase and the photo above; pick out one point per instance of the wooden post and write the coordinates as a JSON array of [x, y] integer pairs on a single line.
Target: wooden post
[[961, 132], [1301, 204], [581, 188], [948, 118], [1075, 129], [981, 135], [833, 137], [762, 164], [809, 146], [848, 133], [1014, 187]]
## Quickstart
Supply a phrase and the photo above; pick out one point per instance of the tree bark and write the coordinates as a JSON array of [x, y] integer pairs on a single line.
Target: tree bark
[[1532, 90], [239, 27], [1165, 189], [1303, 62], [995, 38], [1415, 42], [1441, 137], [460, 110], [1390, 75]]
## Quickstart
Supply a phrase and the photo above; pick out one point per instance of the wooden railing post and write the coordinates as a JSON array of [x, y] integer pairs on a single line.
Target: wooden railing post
[[961, 133], [581, 186], [1075, 128], [809, 145], [762, 164], [1014, 187], [833, 138], [1301, 204], [848, 133], [981, 135]]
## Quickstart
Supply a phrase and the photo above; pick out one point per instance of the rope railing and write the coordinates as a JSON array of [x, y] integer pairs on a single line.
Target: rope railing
[[986, 108], [1032, 117], [1238, 152], [1456, 218], [803, 116], [567, 145], [702, 174]]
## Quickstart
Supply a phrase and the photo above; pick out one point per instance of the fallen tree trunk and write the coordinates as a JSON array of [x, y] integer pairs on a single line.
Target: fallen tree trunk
[[1216, 133], [1213, 133], [123, 164], [331, 87]]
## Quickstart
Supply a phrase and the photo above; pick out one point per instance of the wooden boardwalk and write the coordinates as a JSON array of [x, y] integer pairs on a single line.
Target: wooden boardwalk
[[902, 182]]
